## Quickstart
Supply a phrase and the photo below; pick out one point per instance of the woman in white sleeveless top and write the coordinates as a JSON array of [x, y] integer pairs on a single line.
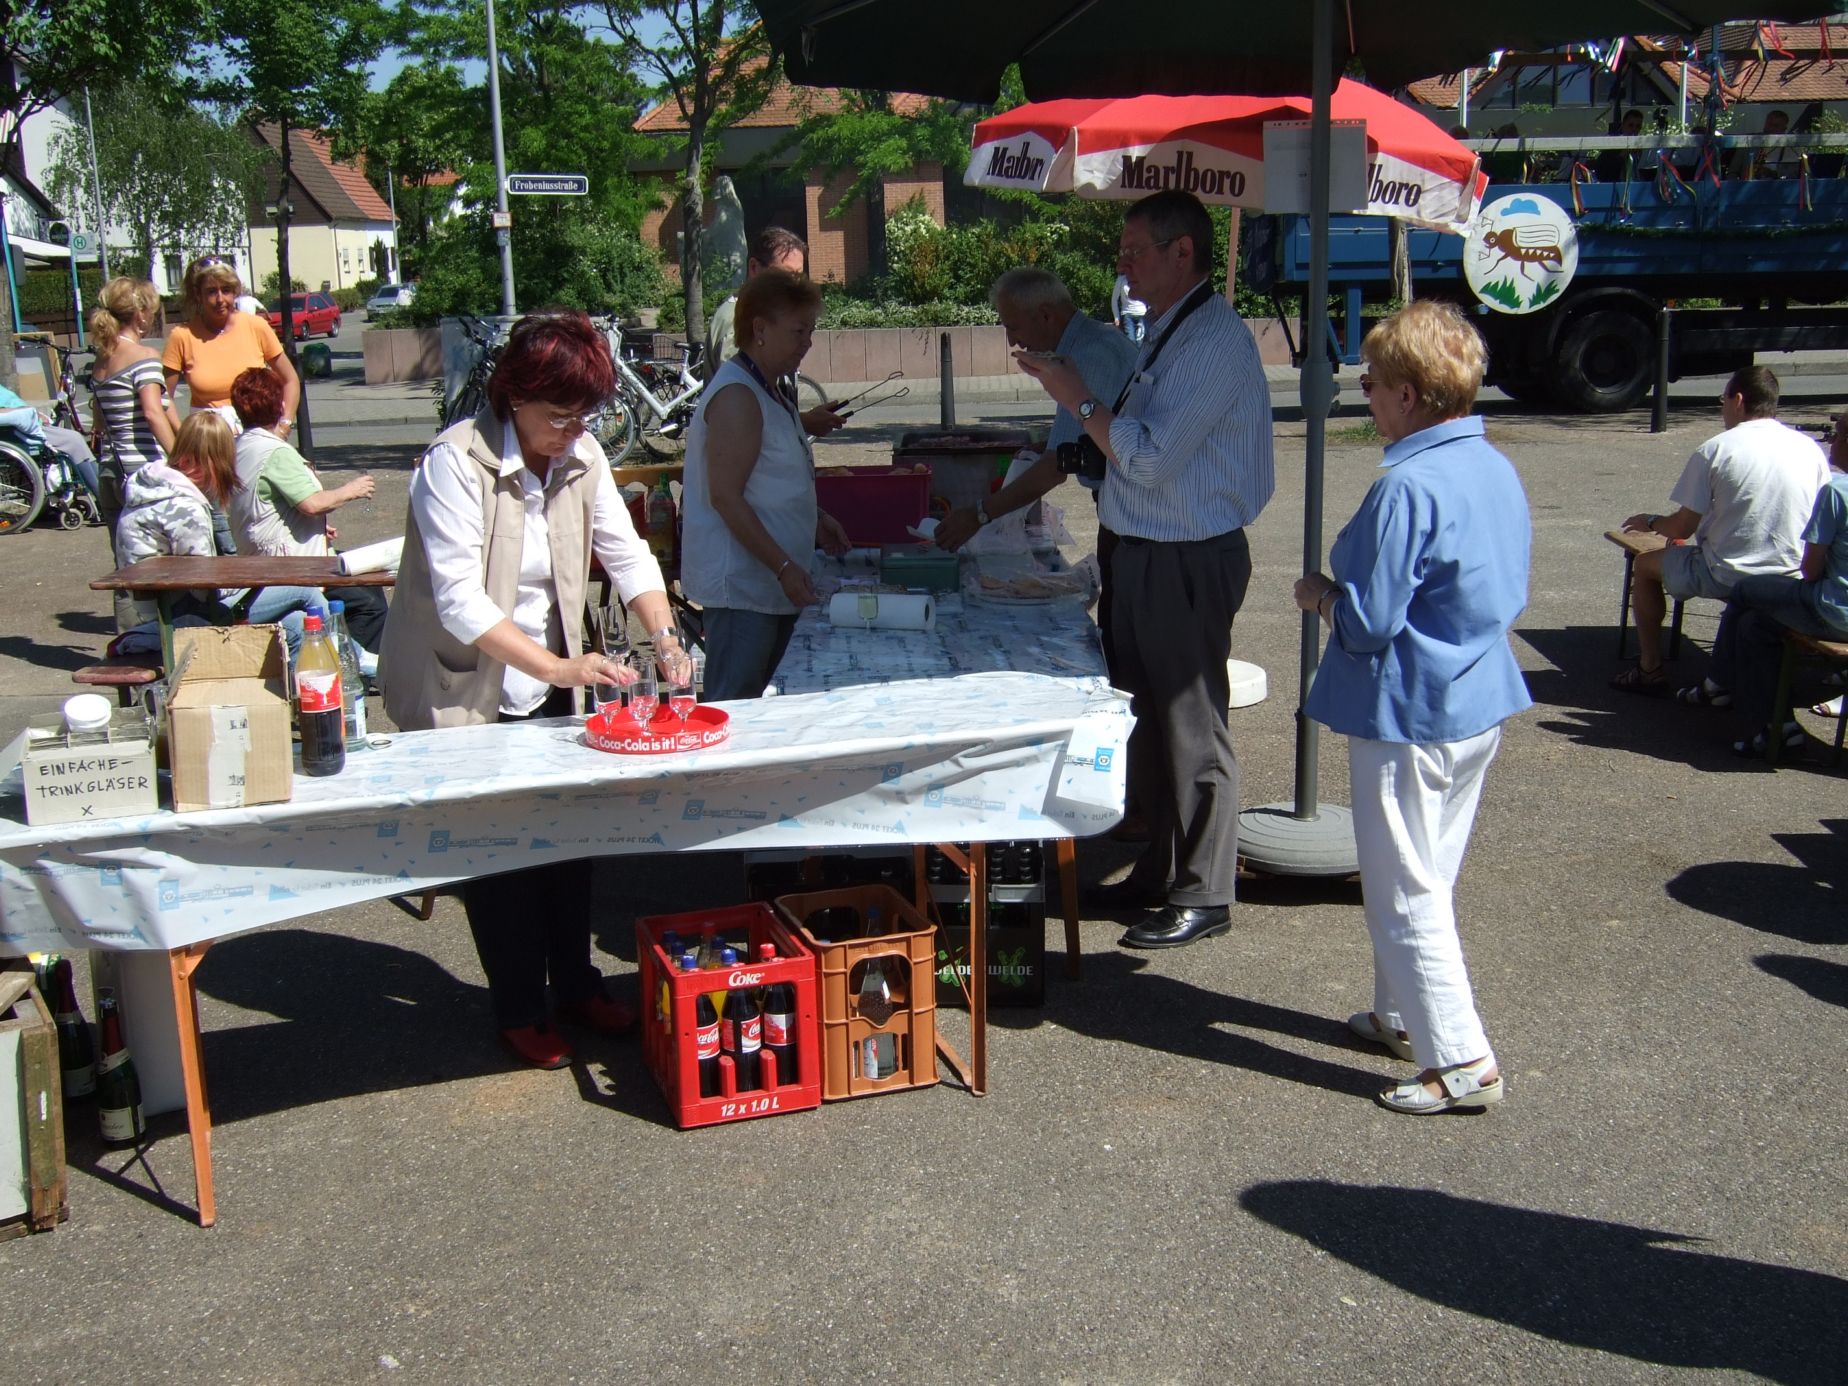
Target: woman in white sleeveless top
[[751, 524]]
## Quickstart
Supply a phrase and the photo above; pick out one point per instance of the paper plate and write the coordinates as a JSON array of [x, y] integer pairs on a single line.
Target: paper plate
[[614, 730]]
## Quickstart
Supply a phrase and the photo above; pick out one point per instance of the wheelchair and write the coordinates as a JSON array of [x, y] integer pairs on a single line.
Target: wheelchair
[[38, 479]]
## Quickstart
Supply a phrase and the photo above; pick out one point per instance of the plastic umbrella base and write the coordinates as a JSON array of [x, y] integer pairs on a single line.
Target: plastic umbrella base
[[1272, 839]]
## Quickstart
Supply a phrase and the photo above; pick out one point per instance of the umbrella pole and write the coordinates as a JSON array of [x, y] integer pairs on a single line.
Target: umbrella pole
[[1309, 838]]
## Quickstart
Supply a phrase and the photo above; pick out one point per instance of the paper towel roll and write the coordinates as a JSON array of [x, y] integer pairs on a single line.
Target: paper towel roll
[[382, 555], [883, 610]]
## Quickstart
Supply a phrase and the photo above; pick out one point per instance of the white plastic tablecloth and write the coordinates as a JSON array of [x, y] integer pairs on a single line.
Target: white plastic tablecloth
[[981, 757]]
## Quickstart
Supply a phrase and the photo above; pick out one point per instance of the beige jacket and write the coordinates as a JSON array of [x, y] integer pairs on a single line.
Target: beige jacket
[[432, 679]]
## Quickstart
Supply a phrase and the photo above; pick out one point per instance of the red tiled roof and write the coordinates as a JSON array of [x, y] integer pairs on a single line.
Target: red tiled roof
[[787, 107], [340, 189]]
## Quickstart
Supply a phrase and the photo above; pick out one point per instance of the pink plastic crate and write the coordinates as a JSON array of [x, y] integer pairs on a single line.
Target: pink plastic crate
[[876, 504]]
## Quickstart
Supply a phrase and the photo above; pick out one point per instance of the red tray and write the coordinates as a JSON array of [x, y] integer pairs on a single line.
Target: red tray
[[615, 730]]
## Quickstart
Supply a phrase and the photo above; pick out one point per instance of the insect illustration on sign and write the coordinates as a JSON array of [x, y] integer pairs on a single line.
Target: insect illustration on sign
[[1525, 245]]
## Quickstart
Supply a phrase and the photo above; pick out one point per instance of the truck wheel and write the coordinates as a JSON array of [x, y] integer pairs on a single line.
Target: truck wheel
[[1605, 363]]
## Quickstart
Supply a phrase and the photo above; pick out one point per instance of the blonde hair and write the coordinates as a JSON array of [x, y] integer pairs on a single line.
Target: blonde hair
[[116, 307], [207, 270], [1432, 347], [206, 452]]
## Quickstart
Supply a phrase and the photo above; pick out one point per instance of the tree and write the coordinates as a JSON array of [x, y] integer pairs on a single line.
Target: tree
[[717, 70], [170, 173], [870, 136], [302, 65], [51, 49], [418, 130], [568, 103]]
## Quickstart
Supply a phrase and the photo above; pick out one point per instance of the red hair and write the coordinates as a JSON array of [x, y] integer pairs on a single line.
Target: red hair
[[256, 394], [557, 357]]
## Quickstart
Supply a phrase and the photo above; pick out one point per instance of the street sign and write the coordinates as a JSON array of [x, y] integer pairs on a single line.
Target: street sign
[[500, 221], [548, 185], [82, 243]]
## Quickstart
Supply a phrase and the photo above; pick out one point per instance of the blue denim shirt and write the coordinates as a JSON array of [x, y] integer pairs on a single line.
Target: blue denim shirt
[[1431, 571]]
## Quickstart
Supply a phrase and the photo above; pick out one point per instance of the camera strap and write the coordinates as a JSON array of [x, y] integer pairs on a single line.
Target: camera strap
[[1202, 292]]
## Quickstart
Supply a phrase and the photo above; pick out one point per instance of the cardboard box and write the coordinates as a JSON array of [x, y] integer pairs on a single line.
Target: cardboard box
[[228, 718], [81, 777]]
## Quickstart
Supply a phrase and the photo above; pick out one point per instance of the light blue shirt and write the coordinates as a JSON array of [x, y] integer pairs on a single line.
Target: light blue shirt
[[1193, 440], [1432, 572], [1104, 358], [1828, 527]]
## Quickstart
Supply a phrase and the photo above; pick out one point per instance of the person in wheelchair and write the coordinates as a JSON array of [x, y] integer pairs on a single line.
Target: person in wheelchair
[[167, 509], [62, 456]]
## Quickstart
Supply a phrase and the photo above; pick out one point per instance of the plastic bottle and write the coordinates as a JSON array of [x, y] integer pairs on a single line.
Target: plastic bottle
[[779, 1021], [118, 1086], [352, 682], [317, 702], [706, 1038], [76, 1052], [741, 1032]]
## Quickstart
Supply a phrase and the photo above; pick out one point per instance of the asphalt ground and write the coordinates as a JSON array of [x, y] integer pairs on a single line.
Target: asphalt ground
[[1179, 1174]]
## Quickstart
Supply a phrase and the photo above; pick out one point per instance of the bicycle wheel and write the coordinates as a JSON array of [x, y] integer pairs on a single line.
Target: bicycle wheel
[[22, 490], [617, 431], [667, 438], [466, 404], [809, 394]]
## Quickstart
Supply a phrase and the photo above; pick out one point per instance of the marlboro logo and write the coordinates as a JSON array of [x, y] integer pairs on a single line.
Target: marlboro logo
[[1388, 192], [1182, 172], [1016, 166]]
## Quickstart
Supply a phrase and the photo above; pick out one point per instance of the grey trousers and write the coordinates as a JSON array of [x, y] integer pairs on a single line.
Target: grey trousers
[[1171, 613]]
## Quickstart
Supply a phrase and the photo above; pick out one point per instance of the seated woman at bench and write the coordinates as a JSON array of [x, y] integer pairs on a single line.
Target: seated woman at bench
[[167, 510], [1762, 609]]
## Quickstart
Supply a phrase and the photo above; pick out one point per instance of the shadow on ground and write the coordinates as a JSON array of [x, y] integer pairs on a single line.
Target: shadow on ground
[[1824, 980], [1603, 1286], [1801, 901]]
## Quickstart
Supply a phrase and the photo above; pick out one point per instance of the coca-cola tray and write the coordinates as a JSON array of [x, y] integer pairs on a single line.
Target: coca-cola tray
[[613, 729]]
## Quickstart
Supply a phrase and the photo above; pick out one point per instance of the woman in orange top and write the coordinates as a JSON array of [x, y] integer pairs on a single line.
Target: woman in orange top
[[217, 343]]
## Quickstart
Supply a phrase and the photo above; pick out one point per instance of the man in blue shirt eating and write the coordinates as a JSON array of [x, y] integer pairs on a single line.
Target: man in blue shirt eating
[[1430, 575]]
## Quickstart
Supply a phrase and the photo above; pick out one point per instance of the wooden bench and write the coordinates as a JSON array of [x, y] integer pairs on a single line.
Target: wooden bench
[[1799, 646], [124, 673], [1634, 546]]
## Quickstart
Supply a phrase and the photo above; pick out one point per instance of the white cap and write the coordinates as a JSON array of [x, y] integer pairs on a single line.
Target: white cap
[[87, 712]]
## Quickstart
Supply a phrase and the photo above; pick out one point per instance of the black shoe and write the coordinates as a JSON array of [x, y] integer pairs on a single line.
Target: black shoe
[[1122, 896], [1175, 925]]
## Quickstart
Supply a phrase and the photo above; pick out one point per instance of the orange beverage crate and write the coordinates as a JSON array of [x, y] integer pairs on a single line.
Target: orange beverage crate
[[670, 1000], [906, 944]]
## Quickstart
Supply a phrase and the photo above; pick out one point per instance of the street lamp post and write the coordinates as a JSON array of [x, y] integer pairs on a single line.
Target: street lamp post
[[503, 235], [96, 191]]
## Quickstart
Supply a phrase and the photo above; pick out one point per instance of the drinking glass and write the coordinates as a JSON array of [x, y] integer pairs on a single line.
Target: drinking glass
[[609, 695], [644, 697], [682, 677]]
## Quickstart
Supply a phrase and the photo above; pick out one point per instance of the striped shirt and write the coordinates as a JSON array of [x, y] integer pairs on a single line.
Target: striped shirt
[[126, 430], [1193, 440]]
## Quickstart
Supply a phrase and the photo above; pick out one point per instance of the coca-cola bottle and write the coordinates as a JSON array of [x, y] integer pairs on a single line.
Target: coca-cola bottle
[[118, 1087], [76, 1051], [741, 1031], [706, 1034], [318, 709], [779, 1021]]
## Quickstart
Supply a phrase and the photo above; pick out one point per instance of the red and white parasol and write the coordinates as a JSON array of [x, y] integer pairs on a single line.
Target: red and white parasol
[[1213, 146]]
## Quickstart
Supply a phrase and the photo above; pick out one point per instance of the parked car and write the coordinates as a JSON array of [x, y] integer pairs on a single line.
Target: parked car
[[390, 296], [312, 313]]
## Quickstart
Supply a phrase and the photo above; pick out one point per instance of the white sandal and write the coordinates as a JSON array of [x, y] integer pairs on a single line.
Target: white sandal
[[1463, 1088], [1367, 1026]]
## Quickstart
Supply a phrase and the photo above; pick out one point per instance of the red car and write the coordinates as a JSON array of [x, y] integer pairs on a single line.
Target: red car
[[312, 313]]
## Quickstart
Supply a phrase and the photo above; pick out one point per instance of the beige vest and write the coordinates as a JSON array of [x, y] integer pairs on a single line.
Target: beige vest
[[430, 678]]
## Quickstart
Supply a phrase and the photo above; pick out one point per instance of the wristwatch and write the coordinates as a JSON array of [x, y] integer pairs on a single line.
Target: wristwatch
[[1085, 410], [981, 517]]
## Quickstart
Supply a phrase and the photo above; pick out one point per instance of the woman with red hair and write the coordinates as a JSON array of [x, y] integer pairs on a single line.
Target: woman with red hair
[[280, 508], [487, 625]]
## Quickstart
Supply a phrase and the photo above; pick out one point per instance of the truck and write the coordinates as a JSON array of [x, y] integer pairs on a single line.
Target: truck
[[1773, 252]]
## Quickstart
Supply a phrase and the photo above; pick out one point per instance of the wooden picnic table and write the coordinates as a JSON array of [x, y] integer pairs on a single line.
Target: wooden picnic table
[[1634, 545]]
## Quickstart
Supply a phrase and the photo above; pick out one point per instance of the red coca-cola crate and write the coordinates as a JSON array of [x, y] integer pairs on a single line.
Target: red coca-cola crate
[[670, 1000], [876, 505]]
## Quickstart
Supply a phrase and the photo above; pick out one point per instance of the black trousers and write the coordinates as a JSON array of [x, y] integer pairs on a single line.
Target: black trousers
[[1171, 613], [365, 615], [1106, 549], [533, 925]]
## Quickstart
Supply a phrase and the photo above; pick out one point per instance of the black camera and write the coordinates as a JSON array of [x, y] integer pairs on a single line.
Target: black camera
[[1082, 459]]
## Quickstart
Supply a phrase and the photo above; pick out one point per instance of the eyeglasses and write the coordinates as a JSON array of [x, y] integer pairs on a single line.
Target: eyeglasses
[[1367, 383], [1124, 253], [587, 421]]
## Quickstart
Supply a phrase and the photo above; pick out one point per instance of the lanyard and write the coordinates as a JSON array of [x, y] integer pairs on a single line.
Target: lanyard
[[1202, 292]]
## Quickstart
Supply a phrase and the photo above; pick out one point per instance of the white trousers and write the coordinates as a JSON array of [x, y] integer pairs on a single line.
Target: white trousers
[[1413, 809]]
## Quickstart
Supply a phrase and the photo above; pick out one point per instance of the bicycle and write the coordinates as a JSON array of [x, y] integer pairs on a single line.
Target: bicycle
[[659, 397], [473, 395]]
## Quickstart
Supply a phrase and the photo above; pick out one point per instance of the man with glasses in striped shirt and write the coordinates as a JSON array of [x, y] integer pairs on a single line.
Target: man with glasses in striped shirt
[[1187, 448]]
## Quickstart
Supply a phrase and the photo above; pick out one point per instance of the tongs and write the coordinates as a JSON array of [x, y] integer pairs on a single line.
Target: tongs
[[900, 393]]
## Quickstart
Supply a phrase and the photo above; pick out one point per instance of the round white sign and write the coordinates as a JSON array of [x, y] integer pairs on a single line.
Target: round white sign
[[1521, 253]]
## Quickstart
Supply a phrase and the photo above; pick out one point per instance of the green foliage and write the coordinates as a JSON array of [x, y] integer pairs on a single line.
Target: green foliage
[[425, 124], [348, 300], [173, 175], [842, 311], [867, 136], [47, 292], [1503, 292], [1546, 292], [271, 288], [927, 263], [55, 48]]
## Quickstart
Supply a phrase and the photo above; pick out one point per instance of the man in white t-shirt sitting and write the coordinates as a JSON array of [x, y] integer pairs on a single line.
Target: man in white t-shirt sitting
[[1743, 499]]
